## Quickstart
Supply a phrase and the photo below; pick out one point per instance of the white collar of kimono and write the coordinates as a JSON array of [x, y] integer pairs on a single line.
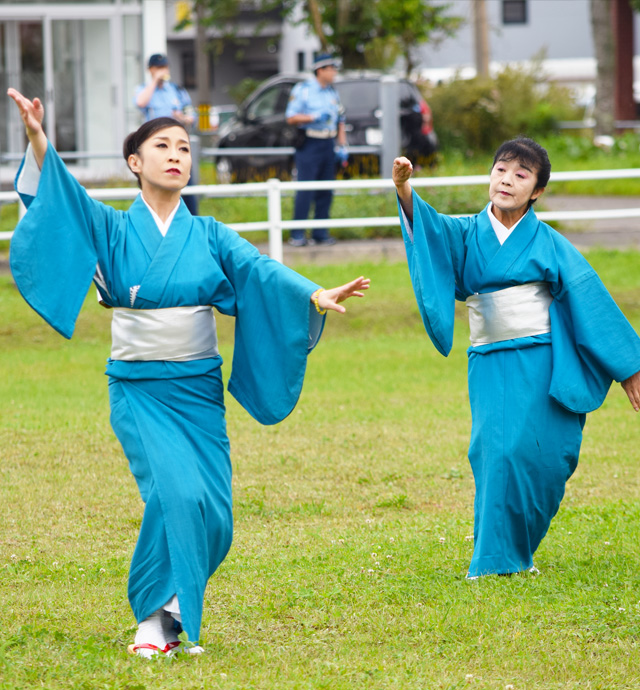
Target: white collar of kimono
[[162, 226], [502, 232]]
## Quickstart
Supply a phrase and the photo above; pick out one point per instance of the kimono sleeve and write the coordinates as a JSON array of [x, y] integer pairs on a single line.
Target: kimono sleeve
[[593, 343], [434, 247], [276, 327], [52, 254]]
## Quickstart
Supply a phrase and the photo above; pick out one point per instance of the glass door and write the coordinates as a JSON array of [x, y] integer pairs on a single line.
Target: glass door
[[21, 66]]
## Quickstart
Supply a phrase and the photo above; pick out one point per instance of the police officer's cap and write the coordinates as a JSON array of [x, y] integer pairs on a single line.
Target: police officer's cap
[[325, 60], [158, 60]]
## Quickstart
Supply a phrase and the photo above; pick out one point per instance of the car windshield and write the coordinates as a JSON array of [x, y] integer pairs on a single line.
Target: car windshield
[[358, 96]]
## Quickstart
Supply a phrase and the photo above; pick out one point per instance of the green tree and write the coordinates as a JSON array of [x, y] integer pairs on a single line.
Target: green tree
[[373, 33]]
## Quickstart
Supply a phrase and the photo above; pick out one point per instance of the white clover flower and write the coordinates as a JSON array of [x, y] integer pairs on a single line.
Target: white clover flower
[[469, 677], [508, 687], [374, 555], [442, 540], [607, 543], [14, 557], [469, 537]]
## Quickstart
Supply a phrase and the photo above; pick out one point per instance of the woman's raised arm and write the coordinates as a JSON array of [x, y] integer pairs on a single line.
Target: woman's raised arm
[[32, 114], [401, 173]]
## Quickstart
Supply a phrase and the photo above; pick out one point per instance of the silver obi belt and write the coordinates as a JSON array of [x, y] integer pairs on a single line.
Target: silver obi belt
[[515, 312], [177, 334]]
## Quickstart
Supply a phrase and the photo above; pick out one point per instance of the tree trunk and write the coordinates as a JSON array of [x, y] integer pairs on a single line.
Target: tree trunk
[[316, 18], [481, 38], [602, 31], [202, 69], [622, 22]]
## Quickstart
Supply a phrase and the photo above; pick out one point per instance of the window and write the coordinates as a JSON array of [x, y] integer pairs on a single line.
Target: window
[[301, 66], [264, 105], [514, 11]]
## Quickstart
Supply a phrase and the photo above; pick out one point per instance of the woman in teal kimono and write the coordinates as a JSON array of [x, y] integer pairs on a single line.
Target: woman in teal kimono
[[546, 342], [161, 270]]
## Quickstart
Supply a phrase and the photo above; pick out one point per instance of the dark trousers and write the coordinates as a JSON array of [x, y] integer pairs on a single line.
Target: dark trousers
[[315, 160], [191, 200]]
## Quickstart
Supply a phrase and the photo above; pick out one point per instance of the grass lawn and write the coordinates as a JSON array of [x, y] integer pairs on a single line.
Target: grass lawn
[[353, 519]]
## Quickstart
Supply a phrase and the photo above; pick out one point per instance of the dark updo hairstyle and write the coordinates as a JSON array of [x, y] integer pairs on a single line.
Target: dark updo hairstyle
[[529, 153], [134, 141]]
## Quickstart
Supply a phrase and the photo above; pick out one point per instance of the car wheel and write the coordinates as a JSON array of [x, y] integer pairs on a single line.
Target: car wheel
[[224, 171]]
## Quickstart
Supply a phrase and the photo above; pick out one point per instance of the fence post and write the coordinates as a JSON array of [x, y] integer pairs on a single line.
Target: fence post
[[389, 100], [274, 212]]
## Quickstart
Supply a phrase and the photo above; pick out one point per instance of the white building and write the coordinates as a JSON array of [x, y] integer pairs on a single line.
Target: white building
[[85, 57], [519, 31]]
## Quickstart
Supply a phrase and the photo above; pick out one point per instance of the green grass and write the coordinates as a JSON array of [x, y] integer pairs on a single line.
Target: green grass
[[352, 523]]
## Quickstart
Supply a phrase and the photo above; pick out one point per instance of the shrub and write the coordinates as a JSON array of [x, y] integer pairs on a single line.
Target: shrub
[[478, 114]]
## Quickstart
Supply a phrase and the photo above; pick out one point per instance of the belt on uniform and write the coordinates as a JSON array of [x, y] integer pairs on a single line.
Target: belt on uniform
[[321, 133]]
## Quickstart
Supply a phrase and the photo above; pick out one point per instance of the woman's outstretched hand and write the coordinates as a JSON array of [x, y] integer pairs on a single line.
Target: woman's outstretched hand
[[32, 114], [401, 174], [632, 389], [330, 299]]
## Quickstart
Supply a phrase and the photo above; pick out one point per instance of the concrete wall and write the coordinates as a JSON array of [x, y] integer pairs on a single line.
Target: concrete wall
[[562, 28]]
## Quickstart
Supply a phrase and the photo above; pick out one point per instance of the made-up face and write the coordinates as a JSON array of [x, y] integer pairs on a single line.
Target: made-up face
[[164, 160], [511, 186]]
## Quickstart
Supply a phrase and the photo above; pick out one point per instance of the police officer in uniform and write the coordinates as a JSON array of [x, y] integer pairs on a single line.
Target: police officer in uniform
[[315, 108], [160, 97]]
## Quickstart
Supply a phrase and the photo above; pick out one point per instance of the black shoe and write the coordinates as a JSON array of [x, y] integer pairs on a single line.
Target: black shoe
[[327, 242], [297, 242]]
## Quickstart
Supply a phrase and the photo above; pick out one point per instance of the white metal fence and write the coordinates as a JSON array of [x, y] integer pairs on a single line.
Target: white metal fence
[[274, 190]]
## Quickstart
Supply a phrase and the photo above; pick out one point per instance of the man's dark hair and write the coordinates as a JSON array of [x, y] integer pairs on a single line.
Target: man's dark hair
[[530, 154], [134, 141]]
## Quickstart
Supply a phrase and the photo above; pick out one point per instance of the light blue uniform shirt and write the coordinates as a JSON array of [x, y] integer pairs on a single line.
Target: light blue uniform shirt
[[164, 101], [310, 98]]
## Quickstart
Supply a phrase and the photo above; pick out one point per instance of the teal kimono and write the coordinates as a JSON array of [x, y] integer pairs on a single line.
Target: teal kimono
[[528, 395], [170, 415]]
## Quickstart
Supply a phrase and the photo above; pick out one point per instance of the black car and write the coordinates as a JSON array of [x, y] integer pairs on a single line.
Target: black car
[[260, 122]]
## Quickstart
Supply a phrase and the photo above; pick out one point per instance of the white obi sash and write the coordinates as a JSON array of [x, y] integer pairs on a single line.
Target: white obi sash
[[177, 334], [515, 312]]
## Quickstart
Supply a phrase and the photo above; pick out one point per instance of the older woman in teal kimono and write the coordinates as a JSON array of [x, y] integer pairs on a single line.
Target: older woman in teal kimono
[[546, 342], [161, 270]]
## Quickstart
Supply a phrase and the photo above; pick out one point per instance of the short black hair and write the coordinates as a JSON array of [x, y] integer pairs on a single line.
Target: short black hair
[[529, 153], [134, 141]]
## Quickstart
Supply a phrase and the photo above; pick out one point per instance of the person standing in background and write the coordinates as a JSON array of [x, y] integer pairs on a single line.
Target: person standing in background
[[162, 98], [315, 108]]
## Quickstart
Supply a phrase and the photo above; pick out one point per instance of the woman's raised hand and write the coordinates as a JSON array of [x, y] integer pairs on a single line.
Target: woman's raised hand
[[32, 114], [330, 299], [402, 171]]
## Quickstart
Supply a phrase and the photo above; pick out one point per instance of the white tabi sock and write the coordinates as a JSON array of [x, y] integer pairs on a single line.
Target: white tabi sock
[[171, 611], [151, 631]]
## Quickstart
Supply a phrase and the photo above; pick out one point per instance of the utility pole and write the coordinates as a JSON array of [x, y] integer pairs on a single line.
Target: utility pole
[[481, 37]]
